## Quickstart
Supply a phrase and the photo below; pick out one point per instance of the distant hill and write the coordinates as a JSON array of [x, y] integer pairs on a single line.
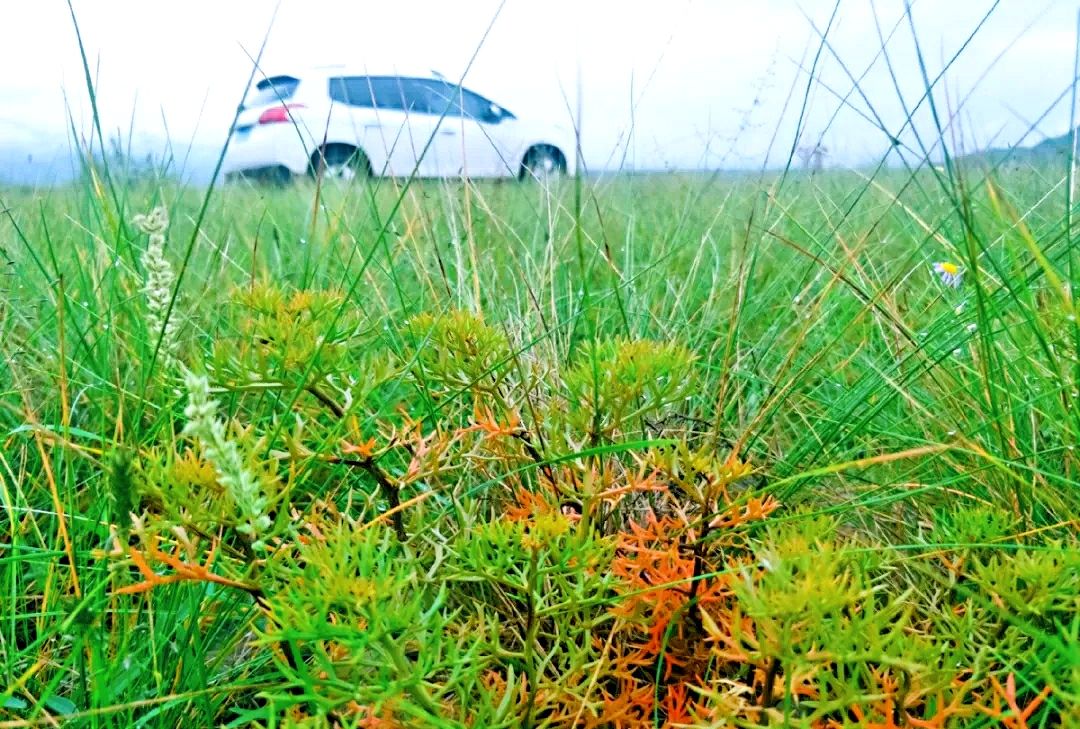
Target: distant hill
[[1049, 150], [1055, 146], [36, 167], [45, 165]]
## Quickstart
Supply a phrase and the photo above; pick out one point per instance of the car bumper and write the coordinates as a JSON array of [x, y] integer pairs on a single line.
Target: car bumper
[[266, 149], [272, 174]]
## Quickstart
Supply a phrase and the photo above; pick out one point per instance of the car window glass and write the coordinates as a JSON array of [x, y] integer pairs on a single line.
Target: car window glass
[[459, 101], [354, 91], [443, 98], [396, 93], [272, 90], [422, 97], [418, 96], [475, 105]]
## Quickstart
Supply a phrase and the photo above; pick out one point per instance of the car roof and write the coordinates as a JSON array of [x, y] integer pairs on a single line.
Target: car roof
[[351, 69]]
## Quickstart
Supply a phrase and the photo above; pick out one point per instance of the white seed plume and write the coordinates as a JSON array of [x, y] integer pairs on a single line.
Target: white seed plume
[[238, 480], [159, 283]]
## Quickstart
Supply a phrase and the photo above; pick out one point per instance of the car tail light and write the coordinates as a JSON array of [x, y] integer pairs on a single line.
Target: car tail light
[[278, 114]]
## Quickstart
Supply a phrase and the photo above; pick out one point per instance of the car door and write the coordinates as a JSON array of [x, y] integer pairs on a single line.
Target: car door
[[485, 137], [353, 120], [388, 117], [410, 133], [464, 142]]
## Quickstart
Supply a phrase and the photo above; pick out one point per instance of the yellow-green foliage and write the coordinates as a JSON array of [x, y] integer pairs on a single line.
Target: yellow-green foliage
[[291, 336], [455, 352], [452, 574], [613, 385]]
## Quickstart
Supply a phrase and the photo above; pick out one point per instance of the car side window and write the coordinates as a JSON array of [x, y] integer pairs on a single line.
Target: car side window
[[389, 93], [414, 95], [475, 106], [459, 101], [443, 98], [352, 91], [417, 96]]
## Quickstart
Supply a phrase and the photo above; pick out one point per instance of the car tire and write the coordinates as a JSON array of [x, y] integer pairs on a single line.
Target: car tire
[[543, 163], [340, 162]]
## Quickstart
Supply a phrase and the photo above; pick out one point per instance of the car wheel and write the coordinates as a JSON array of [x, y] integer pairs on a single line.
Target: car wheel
[[543, 163], [341, 162]]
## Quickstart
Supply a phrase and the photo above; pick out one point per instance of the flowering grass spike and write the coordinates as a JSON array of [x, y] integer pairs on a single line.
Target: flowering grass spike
[[159, 283], [241, 482]]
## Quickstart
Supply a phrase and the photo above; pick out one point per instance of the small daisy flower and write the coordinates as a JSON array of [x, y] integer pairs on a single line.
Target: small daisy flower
[[950, 273]]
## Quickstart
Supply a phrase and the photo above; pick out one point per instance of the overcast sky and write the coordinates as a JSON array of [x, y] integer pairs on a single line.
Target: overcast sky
[[685, 83]]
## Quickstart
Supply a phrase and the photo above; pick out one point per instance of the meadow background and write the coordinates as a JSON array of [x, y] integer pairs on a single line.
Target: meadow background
[[614, 451]]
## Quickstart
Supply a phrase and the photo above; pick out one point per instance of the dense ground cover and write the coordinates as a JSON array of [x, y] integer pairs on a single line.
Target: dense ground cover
[[658, 450]]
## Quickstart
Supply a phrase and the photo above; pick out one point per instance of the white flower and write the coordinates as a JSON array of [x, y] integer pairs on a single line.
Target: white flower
[[950, 273]]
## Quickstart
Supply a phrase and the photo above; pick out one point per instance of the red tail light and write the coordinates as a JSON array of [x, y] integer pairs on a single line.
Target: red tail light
[[278, 114]]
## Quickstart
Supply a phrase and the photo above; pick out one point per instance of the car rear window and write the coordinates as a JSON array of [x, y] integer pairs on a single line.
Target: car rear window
[[272, 90]]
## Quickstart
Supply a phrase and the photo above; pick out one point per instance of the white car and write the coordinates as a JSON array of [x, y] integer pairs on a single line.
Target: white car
[[332, 122]]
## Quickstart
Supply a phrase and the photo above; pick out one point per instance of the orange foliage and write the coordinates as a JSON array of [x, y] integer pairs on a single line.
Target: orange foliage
[[1015, 718], [737, 514], [530, 504], [668, 594], [189, 570], [484, 421]]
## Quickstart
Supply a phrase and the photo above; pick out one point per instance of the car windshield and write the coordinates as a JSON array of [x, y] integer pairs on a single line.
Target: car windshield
[[271, 91]]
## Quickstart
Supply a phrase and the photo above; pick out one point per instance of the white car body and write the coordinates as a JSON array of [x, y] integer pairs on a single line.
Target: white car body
[[402, 125]]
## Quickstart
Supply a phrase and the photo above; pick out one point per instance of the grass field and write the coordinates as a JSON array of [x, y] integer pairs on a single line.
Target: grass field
[[665, 450]]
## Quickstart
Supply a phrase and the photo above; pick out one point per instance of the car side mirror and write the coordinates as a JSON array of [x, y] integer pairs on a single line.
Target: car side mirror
[[494, 114]]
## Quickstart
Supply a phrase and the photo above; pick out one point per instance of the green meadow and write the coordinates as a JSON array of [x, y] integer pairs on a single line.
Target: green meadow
[[621, 451]]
